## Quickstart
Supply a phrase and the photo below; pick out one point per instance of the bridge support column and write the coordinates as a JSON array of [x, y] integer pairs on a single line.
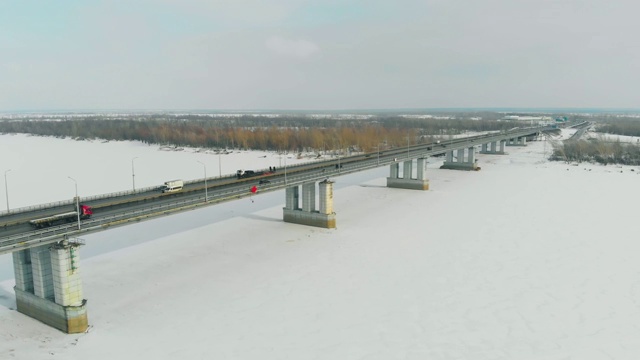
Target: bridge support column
[[307, 215], [309, 197], [494, 148], [421, 168], [460, 163], [326, 202], [394, 170], [42, 272], [520, 141], [406, 182], [292, 198], [471, 155], [48, 286], [449, 157], [407, 169]]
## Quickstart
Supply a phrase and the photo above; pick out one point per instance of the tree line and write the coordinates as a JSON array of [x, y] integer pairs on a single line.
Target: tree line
[[619, 126], [599, 151], [289, 133]]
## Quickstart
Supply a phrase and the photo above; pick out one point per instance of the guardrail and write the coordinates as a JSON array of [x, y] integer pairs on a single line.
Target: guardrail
[[52, 234], [121, 193]]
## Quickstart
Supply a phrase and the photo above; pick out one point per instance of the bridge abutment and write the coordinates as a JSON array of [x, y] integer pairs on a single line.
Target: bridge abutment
[[406, 181], [461, 163], [324, 217], [48, 286]]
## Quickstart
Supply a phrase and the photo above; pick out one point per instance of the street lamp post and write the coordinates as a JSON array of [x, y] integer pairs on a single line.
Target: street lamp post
[[206, 196], [219, 165], [133, 174], [6, 188], [339, 151], [77, 201], [381, 143], [285, 169]]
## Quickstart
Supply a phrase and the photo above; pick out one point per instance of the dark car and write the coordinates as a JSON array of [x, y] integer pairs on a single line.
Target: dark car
[[264, 181]]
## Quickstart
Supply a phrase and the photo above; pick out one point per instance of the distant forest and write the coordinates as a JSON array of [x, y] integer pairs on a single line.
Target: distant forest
[[300, 133], [284, 133], [603, 152], [619, 126]]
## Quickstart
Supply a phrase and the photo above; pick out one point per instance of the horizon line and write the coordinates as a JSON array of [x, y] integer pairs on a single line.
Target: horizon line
[[373, 110]]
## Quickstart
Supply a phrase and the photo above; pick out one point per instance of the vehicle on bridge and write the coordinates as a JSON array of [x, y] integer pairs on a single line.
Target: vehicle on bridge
[[58, 219], [172, 186], [243, 174]]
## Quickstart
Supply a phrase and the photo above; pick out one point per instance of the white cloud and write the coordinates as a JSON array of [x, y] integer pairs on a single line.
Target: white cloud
[[294, 48]]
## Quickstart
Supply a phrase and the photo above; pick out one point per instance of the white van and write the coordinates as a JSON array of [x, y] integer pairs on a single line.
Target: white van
[[172, 186]]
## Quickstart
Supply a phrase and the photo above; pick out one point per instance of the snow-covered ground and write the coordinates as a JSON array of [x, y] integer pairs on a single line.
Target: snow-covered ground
[[612, 137], [524, 259]]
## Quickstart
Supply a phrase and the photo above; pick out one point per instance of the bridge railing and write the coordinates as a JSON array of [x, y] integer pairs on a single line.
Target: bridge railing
[[37, 207], [72, 201], [124, 193], [49, 234]]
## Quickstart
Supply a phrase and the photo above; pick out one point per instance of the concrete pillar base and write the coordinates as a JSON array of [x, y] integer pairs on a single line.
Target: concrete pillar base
[[460, 166], [493, 152], [517, 142], [68, 319], [317, 219], [411, 184]]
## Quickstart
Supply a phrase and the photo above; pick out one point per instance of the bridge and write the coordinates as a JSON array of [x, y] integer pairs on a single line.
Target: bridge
[[46, 260]]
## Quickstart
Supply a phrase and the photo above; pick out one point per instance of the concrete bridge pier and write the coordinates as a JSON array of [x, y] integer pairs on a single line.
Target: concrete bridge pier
[[519, 141], [406, 181], [494, 148], [534, 137], [460, 162], [48, 285], [324, 217], [449, 157]]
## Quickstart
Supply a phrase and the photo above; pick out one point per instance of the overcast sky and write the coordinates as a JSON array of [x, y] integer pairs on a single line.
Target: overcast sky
[[329, 54]]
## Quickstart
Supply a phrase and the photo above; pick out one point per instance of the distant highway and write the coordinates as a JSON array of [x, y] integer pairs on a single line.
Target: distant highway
[[122, 208], [582, 128]]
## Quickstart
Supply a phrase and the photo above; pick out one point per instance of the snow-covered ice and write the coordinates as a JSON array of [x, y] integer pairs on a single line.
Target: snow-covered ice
[[525, 259]]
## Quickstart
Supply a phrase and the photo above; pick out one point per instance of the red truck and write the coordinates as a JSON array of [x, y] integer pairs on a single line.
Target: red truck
[[57, 219]]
